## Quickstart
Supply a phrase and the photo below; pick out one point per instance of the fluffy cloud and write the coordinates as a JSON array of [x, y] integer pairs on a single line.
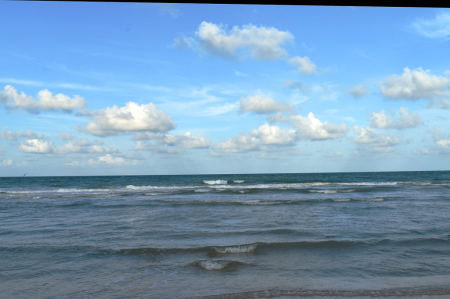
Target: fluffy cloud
[[274, 135], [12, 136], [437, 28], [264, 138], [441, 142], [311, 127], [257, 42], [36, 146], [46, 101], [304, 65], [414, 85], [239, 144], [383, 121], [131, 118], [373, 142], [258, 104]]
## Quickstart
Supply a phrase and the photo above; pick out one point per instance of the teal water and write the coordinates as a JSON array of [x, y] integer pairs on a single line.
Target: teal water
[[226, 236]]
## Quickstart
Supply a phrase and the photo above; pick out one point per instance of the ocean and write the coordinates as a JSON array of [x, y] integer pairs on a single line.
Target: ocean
[[316, 235]]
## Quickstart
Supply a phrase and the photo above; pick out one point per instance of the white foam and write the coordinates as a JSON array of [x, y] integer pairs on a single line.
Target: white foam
[[216, 182], [213, 265], [340, 199], [237, 249], [323, 191], [238, 181]]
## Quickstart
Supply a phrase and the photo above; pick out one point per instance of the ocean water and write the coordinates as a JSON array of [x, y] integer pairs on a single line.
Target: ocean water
[[318, 235]]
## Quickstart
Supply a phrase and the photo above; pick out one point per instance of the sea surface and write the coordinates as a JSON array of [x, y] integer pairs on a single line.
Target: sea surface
[[317, 235]]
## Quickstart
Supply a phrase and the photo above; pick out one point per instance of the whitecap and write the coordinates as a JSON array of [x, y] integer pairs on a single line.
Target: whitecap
[[216, 182], [237, 249], [238, 181], [213, 265]]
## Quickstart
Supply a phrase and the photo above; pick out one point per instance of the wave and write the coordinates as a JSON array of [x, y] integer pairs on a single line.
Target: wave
[[238, 181], [216, 182], [236, 249], [217, 265]]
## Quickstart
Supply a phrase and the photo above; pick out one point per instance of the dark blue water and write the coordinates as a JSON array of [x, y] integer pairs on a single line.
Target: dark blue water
[[219, 236]]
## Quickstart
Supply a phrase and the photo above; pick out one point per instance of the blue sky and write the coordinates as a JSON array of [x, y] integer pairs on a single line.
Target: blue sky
[[143, 88]]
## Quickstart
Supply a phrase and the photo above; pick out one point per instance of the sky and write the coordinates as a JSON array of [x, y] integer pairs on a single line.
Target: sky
[[147, 89]]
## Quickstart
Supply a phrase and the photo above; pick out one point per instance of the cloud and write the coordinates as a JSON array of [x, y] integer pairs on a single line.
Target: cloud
[[12, 136], [169, 8], [168, 143], [373, 142], [251, 41], [65, 136], [414, 85], [108, 159], [381, 120], [441, 142], [183, 42], [358, 91], [46, 101], [274, 135], [130, 118], [436, 28], [296, 84], [260, 105], [311, 127], [264, 138], [304, 65], [6, 162], [239, 144], [83, 146], [36, 146]]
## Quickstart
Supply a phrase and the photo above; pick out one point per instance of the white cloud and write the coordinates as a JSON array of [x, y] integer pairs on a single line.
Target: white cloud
[[379, 142], [274, 135], [441, 141], [304, 64], [131, 118], [311, 127], [239, 144], [358, 91], [6, 162], [437, 28], [37, 146], [47, 101], [12, 136], [258, 104], [257, 42], [265, 138], [407, 119], [414, 85], [383, 121], [108, 159]]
